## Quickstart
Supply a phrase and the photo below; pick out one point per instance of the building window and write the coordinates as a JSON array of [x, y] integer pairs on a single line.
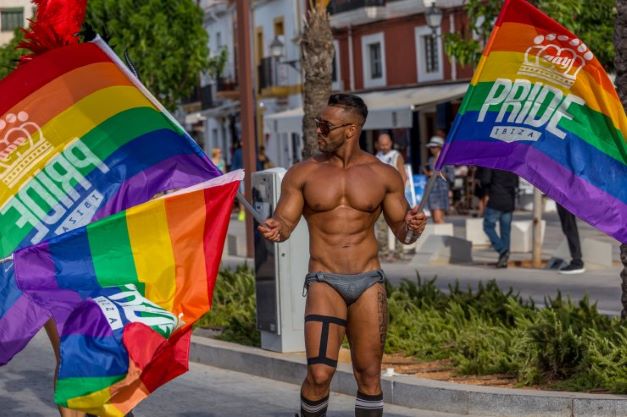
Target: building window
[[373, 60], [336, 76], [279, 28], [11, 19], [374, 50], [432, 63], [428, 55]]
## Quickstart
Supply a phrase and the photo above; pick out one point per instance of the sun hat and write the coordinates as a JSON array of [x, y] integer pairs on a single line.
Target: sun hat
[[435, 141]]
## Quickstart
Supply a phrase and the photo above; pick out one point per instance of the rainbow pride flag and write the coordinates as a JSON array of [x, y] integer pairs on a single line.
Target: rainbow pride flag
[[81, 138], [125, 291], [541, 105]]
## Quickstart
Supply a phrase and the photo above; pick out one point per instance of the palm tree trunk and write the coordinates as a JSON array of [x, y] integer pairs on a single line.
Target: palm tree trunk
[[620, 60], [317, 58]]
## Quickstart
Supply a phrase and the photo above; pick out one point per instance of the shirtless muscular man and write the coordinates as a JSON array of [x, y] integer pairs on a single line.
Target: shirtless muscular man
[[341, 192]]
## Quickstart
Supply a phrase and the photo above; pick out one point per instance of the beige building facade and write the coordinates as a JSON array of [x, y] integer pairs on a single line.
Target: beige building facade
[[13, 15]]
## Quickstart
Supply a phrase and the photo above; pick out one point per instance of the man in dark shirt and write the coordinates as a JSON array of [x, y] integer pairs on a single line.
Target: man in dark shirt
[[501, 190]]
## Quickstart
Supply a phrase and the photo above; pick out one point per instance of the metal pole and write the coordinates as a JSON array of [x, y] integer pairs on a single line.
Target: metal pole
[[428, 188], [623, 275], [250, 209], [247, 116], [536, 259], [423, 201]]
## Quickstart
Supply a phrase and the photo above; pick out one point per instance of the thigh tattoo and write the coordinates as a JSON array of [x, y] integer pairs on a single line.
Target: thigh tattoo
[[383, 317]]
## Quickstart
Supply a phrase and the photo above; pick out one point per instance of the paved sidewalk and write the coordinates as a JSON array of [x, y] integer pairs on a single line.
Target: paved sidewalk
[[409, 391]]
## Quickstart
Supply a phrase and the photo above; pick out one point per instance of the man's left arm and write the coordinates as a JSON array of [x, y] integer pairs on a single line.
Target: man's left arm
[[407, 224]]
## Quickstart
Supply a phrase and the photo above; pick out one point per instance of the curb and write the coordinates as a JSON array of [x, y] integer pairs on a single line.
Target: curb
[[413, 392]]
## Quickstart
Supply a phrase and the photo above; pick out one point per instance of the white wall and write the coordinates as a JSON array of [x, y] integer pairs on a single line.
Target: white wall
[[264, 15], [5, 37], [217, 135], [279, 148], [219, 24], [220, 18]]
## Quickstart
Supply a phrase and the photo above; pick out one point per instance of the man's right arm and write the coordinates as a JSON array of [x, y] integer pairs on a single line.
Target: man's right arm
[[279, 227]]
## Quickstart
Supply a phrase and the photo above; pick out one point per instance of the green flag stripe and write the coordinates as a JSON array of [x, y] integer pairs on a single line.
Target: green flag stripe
[[103, 141], [111, 251], [591, 126], [68, 388]]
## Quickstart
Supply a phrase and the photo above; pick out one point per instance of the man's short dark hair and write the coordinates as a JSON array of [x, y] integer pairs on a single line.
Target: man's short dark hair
[[351, 103]]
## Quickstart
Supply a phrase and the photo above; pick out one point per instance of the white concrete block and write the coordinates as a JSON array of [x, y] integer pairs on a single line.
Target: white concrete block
[[593, 252], [443, 250], [522, 235], [550, 206], [236, 245], [442, 229], [475, 233], [525, 202]]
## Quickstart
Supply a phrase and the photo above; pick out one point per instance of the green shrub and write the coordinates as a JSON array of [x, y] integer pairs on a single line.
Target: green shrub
[[605, 362], [234, 307], [422, 333], [565, 345], [559, 347]]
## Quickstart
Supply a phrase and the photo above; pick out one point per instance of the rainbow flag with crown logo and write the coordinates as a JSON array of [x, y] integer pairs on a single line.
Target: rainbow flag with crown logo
[[81, 138], [541, 105], [124, 292]]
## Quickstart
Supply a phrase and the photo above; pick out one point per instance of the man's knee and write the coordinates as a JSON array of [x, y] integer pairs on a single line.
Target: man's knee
[[320, 376], [368, 378]]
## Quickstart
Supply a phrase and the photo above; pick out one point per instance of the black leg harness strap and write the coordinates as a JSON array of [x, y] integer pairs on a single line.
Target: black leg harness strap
[[324, 338]]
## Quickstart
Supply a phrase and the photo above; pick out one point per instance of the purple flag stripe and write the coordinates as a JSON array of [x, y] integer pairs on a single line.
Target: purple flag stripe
[[88, 320], [39, 268], [18, 326], [174, 173], [552, 178]]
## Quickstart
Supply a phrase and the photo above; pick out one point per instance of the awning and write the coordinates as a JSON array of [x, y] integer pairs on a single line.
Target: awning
[[386, 109], [285, 121], [226, 109], [193, 118]]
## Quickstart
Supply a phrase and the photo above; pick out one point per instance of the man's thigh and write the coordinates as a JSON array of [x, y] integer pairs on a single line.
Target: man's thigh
[[490, 217], [325, 321], [367, 327]]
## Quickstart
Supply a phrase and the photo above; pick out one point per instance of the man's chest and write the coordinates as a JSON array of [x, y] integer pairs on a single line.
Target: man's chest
[[360, 189]]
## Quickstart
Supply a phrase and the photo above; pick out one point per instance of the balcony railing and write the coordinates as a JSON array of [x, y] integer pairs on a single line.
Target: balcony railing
[[193, 97], [226, 84], [206, 97], [266, 73], [341, 6]]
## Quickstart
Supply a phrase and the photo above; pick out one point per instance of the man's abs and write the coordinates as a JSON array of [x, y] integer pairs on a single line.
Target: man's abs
[[341, 206], [342, 241]]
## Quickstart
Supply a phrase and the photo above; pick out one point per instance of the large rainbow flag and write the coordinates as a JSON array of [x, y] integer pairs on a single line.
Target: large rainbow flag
[[541, 105], [81, 138], [125, 291]]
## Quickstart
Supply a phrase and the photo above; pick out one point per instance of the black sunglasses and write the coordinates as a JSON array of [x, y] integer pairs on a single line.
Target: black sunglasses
[[326, 127]]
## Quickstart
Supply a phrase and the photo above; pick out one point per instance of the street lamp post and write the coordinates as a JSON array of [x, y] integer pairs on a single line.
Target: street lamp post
[[244, 73], [277, 52], [433, 15]]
